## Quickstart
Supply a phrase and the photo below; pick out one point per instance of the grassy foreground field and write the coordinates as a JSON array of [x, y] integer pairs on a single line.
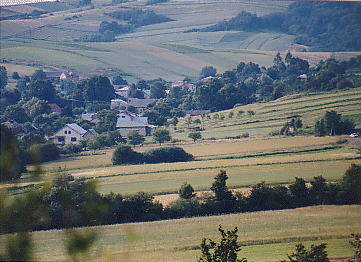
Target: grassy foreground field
[[265, 236]]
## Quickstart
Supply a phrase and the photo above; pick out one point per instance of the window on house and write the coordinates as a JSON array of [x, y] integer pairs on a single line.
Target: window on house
[[73, 139], [123, 116], [61, 139], [65, 132], [69, 132]]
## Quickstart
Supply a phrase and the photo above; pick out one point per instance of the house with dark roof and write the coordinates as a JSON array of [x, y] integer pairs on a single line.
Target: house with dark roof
[[20, 130], [55, 108], [71, 133], [53, 76], [56, 76], [140, 104], [128, 121]]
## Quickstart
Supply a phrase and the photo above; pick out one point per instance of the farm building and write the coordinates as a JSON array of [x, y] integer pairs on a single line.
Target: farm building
[[71, 133], [131, 122], [64, 76], [69, 76]]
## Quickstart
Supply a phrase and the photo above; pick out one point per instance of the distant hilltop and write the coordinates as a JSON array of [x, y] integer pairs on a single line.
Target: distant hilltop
[[22, 2]]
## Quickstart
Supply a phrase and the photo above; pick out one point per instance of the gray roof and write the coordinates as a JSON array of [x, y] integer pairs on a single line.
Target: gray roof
[[76, 128], [92, 131], [136, 102], [131, 120]]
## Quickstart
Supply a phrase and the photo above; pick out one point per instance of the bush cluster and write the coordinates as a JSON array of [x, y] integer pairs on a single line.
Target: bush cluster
[[124, 154]]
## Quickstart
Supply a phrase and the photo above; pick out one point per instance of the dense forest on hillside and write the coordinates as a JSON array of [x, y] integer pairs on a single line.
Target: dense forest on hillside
[[323, 26]]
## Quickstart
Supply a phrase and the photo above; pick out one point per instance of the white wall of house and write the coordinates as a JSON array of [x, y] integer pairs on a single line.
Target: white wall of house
[[131, 122], [125, 130], [67, 135]]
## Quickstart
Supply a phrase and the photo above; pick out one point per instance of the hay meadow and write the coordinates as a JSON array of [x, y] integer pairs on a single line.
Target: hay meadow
[[179, 240]]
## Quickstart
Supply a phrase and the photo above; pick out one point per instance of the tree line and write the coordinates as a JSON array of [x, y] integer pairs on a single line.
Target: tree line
[[69, 202]]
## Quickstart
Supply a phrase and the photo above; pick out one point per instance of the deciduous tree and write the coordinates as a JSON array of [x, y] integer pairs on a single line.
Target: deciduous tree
[[195, 135], [42, 89], [186, 191], [134, 138], [317, 253], [161, 135], [3, 77], [224, 251], [12, 162]]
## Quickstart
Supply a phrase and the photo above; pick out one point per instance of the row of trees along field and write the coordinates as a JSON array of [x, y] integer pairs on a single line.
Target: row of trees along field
[[69, 202], [319, 25]]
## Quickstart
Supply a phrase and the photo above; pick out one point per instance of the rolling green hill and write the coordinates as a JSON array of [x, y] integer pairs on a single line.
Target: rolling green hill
[[153, 51]]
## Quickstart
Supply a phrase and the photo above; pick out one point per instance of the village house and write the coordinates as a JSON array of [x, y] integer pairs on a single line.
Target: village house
[[69, 76], [185, 85], [20, 130], [57, 76], [71, 133], [55, 108], [53, 76], [92, 117], [128, 121], [124, 91], [140, 104]]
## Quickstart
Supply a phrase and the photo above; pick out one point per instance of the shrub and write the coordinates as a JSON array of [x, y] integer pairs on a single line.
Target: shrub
[[195, 135], [186, 191], [126, 155], [72, 149], [167, 155], [317, 253], [245, 135], [44, 152]]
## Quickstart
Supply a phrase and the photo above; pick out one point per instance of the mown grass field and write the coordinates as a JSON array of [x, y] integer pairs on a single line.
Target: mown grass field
[[265, 236]]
